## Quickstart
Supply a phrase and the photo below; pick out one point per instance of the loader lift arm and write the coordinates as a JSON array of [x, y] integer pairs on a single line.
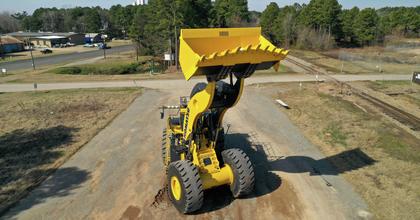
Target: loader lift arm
[[193, 150]]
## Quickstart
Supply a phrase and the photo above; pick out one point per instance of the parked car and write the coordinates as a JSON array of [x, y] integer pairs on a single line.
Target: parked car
[[46, 51]]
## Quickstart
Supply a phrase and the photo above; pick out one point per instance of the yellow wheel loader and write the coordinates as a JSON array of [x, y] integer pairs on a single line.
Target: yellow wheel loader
[[193, 150]]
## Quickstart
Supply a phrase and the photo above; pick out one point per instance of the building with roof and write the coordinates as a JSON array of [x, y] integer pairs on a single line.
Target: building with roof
[[48, 41], [91, 38], [10, 44], [75, 38]]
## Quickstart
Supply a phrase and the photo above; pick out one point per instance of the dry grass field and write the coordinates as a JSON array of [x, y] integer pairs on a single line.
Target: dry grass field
[[111, 65], [283, 69], [405, 91], [389, 180], [39, 131], [114, 43], [370, 60]]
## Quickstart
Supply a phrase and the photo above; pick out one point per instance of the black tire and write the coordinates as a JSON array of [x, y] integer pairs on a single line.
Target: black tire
[[192, 189], [164, 146], [198, 88], [243, 183], [220, 146]]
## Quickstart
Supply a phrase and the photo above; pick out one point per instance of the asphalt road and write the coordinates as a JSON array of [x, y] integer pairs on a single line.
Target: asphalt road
[[61, 58], [119, 172], [169, 84]]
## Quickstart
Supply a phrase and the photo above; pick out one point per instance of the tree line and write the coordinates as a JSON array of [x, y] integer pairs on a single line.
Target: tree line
[[321, 24]]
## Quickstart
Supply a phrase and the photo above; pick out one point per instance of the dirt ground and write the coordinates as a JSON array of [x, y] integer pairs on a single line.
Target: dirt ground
[[384, 166], [117, 174], [39, 131]]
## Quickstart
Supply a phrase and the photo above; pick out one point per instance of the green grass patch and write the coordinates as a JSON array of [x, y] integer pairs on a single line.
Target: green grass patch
[[397, 146], [335, 134], [112, 66], [102, 69], [338, 102], [69, 70]]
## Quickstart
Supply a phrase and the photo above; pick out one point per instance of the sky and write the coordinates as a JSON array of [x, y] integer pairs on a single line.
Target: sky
[[258, 5]]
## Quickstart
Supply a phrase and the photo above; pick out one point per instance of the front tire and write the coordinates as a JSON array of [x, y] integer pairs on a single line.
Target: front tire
[[184, 186], [243, 171], [163, 148]]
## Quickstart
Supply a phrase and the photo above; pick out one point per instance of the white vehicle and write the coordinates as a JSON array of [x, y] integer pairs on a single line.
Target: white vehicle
[[89, 45]]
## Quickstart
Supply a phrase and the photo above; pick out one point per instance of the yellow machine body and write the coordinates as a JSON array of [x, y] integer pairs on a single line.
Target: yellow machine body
[[196, 133]]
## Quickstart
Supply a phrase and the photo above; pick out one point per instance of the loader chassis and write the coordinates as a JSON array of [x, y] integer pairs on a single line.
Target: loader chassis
[[193, 150]]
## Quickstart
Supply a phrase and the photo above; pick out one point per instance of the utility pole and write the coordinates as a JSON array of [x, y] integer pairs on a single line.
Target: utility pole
[[137, 52], [170, 51], [137, 48], [176, 49], [32, 56], [104, 45], [175, 36]]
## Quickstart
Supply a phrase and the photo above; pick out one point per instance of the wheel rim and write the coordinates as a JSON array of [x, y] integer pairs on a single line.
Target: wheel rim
[[176, 188]]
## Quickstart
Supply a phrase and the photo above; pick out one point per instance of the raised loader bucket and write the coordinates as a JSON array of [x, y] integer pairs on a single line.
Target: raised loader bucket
[[219, 51]]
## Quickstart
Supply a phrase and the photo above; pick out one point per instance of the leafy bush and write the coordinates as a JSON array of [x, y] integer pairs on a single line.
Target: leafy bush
[[73, 70], [105, 69]]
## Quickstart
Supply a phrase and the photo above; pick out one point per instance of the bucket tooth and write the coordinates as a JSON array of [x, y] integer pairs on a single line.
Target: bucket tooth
[[202, 57], [256, 47], [223, 53], [235, 50], [266, 48], [277, 52], [211, 56], [246, 48]]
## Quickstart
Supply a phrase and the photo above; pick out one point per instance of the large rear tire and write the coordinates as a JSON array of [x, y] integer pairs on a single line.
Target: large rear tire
[[243, 171], [184, 186]]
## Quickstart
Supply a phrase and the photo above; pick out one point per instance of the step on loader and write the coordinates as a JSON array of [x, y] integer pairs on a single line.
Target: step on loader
[[193, 151]]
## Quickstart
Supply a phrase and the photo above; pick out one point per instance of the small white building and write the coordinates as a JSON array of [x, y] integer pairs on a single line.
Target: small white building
[[49, 41]]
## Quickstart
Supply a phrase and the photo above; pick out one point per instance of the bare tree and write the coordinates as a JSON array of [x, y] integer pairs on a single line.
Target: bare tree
[[8, 23]]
